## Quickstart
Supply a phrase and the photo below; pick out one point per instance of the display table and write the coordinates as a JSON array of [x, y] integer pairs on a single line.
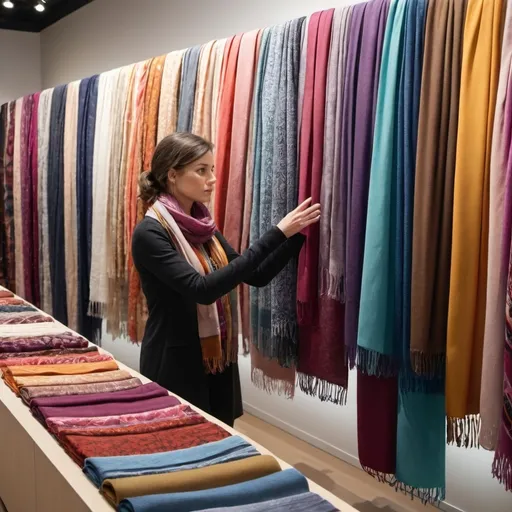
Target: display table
[[36, 474]]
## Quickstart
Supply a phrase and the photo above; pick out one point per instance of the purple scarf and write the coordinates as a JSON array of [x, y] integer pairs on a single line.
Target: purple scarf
[[198, 228]]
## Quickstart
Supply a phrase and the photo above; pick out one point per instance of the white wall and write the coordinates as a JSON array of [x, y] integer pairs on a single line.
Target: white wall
[[20, 64], [97, 38]]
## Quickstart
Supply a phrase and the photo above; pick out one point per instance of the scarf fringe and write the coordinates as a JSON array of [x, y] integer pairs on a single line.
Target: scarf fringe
[[270, 385], [271, 343], [351, 356], [97, 310], [383, 478], [324, 390], [332, 285], [428, 365], [431, 496], [464, 431], [373, 363], [502, 470]]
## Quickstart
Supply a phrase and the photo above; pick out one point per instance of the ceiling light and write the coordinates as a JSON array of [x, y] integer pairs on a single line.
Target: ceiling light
[[9, 5], [39, 7]]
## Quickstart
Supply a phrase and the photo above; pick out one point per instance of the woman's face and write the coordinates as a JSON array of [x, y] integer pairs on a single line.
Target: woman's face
[[195, 182]]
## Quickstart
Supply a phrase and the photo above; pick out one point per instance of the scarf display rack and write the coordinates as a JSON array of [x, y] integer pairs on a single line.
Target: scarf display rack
[[373, 109]]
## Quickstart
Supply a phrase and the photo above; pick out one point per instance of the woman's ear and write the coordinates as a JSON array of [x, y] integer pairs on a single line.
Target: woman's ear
[[171, 176]]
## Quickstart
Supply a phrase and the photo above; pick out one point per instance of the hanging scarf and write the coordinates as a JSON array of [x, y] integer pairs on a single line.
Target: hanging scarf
[[366, 88], [201, 124], [30, 105], [502, 466], [20, 152], [86, 127], [8, 201], [32, 263], [225, 129], [218, 84], [468, 279], [311, 157], [70, 214], [55, 191], [491, 395], [43, 129], [433, 200], [169, 94], [377, 387], [4, 128], [98, 297], [189, 234], [333, 191], [116, 307], [188, 88]]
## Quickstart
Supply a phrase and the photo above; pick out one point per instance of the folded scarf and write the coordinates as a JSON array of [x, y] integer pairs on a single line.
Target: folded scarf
[[229, 473], [218, 351], [32, 393], [81, 447], [225, 128], [87, 350], [311, 159], [13, 302], [62, 380], [86, 126], [70, 217], [99, 469], [26, 317], [169, 95], [26, 331], [333, 192], [43, 130], [500, 215], [99, 424], [5, 294], [55, 191], [10, 252], [305, 502], [371, 39], [188, 89], [468, 278], [16, 306], [45, 342], [278, 485], [63, 359], [20, 152]]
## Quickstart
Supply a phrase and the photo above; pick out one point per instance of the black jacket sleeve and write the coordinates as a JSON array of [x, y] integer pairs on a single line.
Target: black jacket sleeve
[[153, 251], [273, 263]]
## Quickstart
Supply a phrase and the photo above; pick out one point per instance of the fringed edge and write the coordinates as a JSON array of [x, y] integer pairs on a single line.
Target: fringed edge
[[383, 478], [351, 356], [375, 364], [432, 496], [272, 386], [270, 344], [464, 431], [430, 366], [502, 470], [324, 390], [96, 310], [332, 285]]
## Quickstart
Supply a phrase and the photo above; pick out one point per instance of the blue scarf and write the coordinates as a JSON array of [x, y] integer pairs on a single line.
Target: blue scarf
[[188, 89]]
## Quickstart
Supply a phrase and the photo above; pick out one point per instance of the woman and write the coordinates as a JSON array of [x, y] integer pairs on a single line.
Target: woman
[[189, 274]]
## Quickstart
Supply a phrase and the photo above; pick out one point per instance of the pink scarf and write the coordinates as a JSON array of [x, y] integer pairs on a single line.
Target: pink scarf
[[197, 228]]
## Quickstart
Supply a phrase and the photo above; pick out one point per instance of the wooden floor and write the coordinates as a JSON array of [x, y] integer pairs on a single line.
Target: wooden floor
[[345, 481]]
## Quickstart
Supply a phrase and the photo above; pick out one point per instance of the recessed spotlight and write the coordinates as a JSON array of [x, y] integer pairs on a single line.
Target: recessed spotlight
[[8, 5], [39, 7]]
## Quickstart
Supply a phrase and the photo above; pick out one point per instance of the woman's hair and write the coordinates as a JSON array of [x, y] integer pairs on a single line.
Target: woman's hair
[[175, 152]]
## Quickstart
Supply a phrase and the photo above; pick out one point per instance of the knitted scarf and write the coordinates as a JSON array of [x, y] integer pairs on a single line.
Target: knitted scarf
[[468, 278], [116, 307], [8, 201], [491, 395], [433, 199], [188, 88], [86, 127], [366, 80], [70, 213], [43, 129], [169, 94], [55, 191], [194, 238], [311, 157], [225, 129], [20, 152], [4, 128], [32, 227], [334, 190]]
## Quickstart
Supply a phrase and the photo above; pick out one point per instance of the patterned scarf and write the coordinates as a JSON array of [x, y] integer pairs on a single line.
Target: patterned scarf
[[194, 238]]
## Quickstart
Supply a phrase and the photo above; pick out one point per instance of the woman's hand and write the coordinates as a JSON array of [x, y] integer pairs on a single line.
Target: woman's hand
[[303, 216]]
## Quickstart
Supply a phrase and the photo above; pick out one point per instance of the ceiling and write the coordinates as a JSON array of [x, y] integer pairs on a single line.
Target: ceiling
[[23, 16]]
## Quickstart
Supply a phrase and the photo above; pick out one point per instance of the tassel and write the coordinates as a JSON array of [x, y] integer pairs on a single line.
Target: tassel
[[502, 470], [375, 364], [272, 386], [464, 431], [428, 365], [324, 390], [427, 496]]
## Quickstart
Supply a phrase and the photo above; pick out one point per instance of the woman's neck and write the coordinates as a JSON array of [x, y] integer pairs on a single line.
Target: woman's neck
[[186, 204]]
